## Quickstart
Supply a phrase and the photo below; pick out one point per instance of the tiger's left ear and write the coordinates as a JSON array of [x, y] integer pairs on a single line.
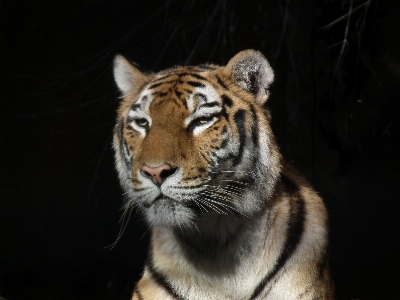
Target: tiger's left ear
[[127, 77], [251, 71]]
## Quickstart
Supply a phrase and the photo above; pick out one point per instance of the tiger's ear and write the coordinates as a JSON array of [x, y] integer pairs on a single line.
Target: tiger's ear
[[251, 71], [126, 75]]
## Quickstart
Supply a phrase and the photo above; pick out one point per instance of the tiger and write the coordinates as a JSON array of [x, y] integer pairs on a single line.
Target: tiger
[[229, 217]]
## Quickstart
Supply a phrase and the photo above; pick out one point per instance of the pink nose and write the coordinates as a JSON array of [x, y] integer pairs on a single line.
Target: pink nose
[[158, 174]]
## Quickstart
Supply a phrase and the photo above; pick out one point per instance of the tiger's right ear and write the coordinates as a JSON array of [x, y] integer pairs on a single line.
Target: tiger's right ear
[[251, 71], [126, 75]]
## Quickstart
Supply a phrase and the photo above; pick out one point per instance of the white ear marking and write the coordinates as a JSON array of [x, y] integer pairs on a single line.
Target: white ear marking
[[126, 75], [251, 71]]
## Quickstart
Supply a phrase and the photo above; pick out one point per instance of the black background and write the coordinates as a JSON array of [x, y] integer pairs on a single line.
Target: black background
[[334, 105]]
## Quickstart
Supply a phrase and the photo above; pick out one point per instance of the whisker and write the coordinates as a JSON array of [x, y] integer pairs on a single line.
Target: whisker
[[207, 201], [213, 207], [222, 204], [199, 206], [123, 227]]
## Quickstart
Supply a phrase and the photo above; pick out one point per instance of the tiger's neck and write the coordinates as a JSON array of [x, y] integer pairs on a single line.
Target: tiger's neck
[[220, 241]]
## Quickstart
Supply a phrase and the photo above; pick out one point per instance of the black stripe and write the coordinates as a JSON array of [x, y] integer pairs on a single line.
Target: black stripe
[[163, 77], [188, 91], [210, 104], [202, 96], [154, 85], [159, 94], [224, 143], [240, 124], [120, 135], [119, 130], [135, 106], [161, 279], [254, 128], [197, 76], [206, 158], [226, 100], [178, 94], [221, 83], [127, 162], [293, 233], [123, 147], [195, 84], [129, 120]]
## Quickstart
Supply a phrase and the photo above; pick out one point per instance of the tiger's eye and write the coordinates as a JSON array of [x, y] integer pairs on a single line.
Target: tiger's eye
[[142, 122], [203, 120]]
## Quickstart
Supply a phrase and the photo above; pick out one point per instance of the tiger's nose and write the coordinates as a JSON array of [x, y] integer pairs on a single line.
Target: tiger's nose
[[158, 174]]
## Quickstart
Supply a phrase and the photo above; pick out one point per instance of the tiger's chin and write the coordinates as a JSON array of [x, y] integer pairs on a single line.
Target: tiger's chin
[[168, 212]]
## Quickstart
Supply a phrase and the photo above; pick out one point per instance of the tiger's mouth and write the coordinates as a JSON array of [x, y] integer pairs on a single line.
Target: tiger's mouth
[[163, 199]]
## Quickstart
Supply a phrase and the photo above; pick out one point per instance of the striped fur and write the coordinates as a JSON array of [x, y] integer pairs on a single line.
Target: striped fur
[[229, 218]]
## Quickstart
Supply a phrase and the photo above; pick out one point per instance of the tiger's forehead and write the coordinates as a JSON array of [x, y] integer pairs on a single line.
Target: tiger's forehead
[[181, 89]]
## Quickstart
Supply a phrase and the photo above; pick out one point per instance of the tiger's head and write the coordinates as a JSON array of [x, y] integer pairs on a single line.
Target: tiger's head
[[195, 141]]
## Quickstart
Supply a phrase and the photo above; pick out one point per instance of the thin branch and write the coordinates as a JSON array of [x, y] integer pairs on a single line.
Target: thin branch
[[345, 42], [344, 16]]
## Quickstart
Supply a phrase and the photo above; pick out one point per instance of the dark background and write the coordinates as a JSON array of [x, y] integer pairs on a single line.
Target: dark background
[[335, 107]]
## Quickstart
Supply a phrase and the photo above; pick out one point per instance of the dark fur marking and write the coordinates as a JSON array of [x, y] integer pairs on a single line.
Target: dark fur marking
[[226, 100], [135, 106], [163, 77], [293, 233], [120, 134], [177, 94], [195, 84], [224, 130], [221, 83], [160, 278], [197, 76], [129, 120], [122, 143], [240, 124], [206, 158], [129, 127], [224, 143], [159, 94], [127, 162], [154, 85], [254, 127], [188, 91], [210, 104]]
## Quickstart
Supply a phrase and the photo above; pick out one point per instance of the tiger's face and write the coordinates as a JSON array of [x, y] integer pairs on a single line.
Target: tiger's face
[[194, 141]]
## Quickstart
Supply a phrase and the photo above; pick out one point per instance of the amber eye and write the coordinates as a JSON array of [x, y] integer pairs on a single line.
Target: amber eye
[[200, 121], [142, 123], [203, 120]]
